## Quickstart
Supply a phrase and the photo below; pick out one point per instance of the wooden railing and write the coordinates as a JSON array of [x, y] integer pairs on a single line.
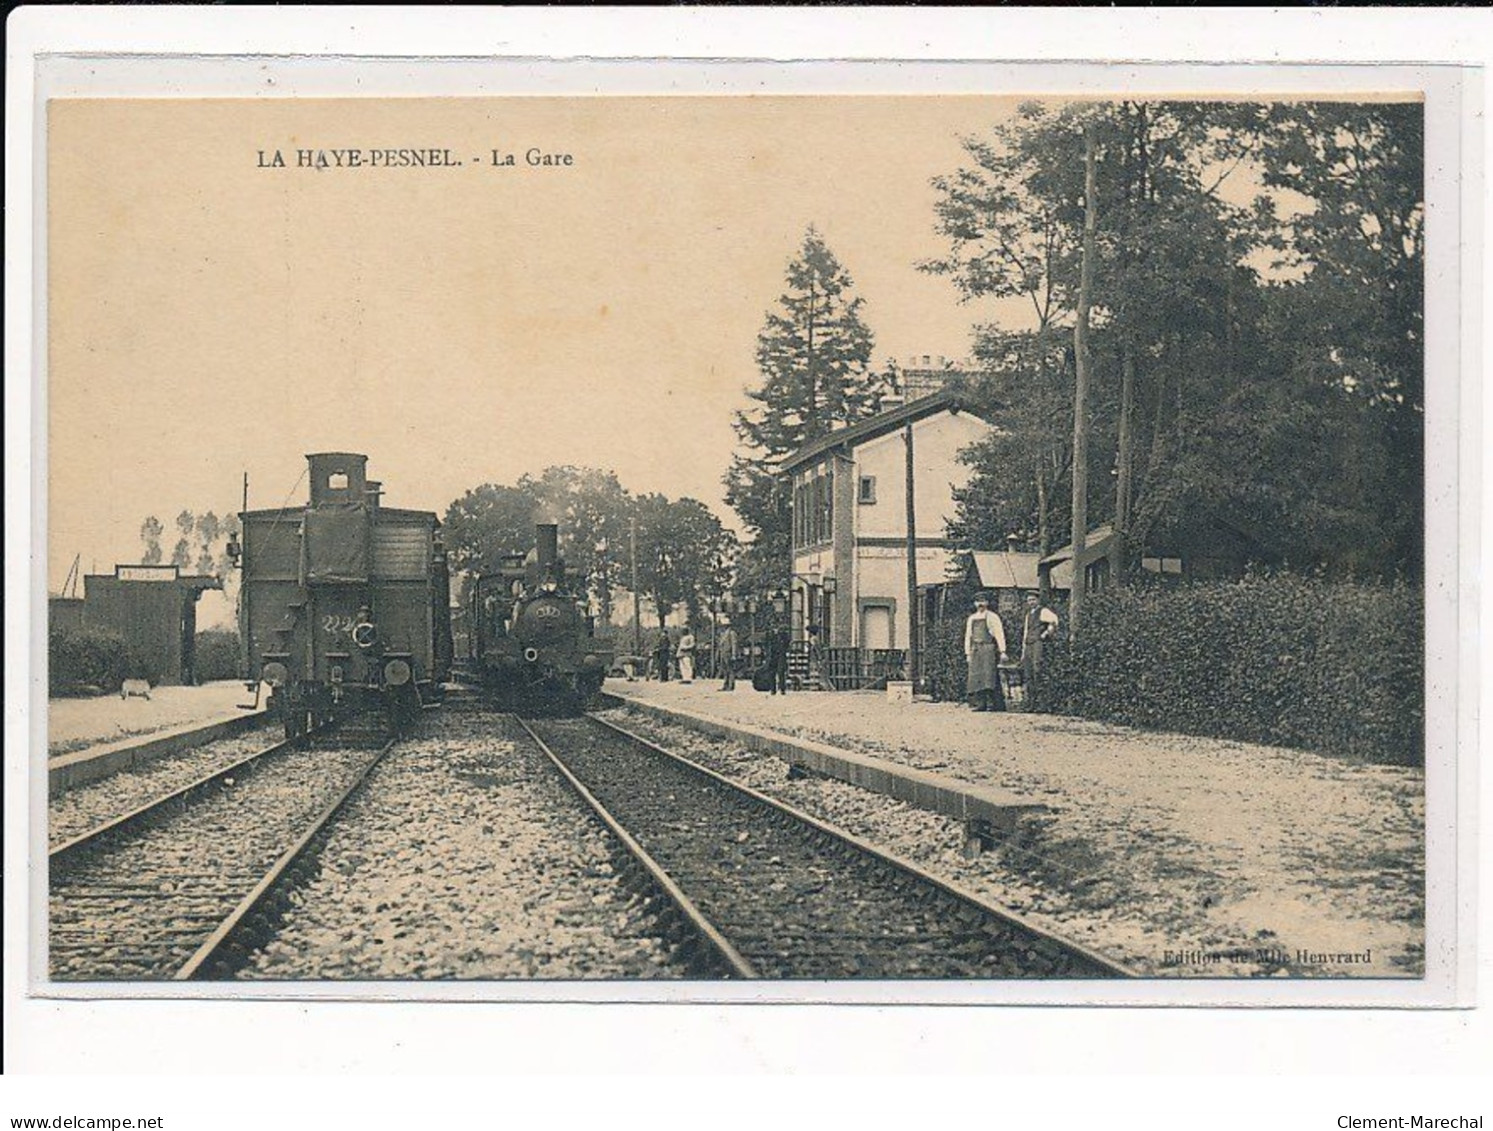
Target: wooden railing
[[850, 669]]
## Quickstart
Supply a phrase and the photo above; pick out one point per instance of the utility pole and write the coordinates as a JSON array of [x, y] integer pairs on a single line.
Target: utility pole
[[1081, 384], [637, 614], [913, 666]]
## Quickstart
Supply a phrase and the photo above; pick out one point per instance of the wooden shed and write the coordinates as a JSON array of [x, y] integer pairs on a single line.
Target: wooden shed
[[154, 607]]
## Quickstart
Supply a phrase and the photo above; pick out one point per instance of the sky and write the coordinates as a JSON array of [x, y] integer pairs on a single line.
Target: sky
[[212, 314]]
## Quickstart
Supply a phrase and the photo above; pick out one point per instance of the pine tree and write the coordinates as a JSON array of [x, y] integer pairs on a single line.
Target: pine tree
[[814, 354]]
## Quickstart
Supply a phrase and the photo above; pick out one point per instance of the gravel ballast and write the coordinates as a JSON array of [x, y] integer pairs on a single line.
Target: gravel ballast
[[139, 908], [84, 807], [465, 857]]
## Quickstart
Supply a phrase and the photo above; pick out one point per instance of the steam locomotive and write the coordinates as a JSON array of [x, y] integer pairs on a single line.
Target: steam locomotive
[[532, 643], [345, 602]]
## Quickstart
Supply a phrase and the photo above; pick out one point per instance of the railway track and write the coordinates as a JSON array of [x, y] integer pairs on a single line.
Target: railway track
[[176, 888], [91, 811], [764, 890]]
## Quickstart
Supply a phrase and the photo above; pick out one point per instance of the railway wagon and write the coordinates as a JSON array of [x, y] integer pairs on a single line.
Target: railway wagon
[[344, 604]]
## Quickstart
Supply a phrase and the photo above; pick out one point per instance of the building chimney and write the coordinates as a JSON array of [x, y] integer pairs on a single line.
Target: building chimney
[[1011, 543]]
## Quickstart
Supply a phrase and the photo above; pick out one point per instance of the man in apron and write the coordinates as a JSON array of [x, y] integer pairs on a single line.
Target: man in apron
[[984, 649]]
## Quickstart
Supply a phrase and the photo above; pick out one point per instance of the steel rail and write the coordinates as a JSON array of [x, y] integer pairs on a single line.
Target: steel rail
[[702, 926], [141, 813], [896, 863], [216, 943]]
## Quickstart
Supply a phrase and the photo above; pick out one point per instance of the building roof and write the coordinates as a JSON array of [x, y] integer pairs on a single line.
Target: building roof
[[193, 581], [1096, 545], [1008, 569], [1005, 569], [874, 426]]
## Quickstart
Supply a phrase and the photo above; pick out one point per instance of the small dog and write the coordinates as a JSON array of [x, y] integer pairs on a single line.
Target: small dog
[[140, 687]]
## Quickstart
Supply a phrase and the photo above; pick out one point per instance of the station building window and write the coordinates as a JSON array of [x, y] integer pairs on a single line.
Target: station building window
[[866, 493]]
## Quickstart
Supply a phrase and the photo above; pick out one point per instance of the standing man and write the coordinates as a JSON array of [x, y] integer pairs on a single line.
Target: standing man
[[661, 653], [777, 658], [984, 649], [686, 656], [1039, 625], [725, 656]]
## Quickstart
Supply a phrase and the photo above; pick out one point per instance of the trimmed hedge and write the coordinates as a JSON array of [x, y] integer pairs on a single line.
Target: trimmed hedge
[[218, 655], [85, 658], [1334, 667]]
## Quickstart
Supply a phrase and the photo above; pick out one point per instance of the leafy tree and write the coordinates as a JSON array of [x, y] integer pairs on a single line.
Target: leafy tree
[[209, 528], [592, 509], [1202, 366], [181, 556], [1359, 305], [1019, 472], [488, 523], [150, 534], [684, 554], [814, 355]]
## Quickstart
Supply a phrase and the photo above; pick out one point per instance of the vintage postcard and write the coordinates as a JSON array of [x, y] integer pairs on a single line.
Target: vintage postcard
[[951, 541]]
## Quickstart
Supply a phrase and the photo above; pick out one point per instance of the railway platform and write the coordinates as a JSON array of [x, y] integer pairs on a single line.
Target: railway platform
[[1190, 856], [91, 738]]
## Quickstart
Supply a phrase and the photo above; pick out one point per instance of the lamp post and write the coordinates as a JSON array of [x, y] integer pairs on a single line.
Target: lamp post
[[751, 604], [715, 609], [831, 585], [604, 588]]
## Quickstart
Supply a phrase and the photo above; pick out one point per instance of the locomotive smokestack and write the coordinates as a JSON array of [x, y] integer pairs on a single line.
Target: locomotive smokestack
[[547, 544]]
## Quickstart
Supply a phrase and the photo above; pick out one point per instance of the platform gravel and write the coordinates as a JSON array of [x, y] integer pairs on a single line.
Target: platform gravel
[[77, 724]]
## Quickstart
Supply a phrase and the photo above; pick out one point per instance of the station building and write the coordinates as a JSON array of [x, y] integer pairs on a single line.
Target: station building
[[849, 506]]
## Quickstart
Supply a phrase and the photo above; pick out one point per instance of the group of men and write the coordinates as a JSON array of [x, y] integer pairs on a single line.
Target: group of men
[[728, 652], [985, 650]]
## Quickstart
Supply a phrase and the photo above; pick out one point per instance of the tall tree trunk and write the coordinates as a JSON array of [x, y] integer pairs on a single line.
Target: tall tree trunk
[[1081, 385], [1120, 556], [1044, 534]]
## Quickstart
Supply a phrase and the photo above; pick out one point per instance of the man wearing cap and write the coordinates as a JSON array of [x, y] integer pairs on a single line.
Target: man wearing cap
[[1038, 626], [984, 648]]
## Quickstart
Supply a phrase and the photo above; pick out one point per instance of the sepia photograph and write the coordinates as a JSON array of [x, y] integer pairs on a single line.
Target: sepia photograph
[[663, 541]]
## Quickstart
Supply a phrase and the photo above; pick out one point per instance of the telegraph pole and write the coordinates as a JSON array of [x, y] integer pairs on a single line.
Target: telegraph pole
[[1081, 385], [912, 566], [637, 622]]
